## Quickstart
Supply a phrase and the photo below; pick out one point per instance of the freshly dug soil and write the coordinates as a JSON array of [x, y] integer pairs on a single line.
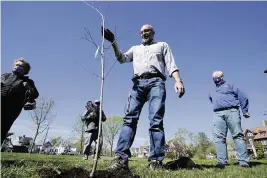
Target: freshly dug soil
[[82, 173]]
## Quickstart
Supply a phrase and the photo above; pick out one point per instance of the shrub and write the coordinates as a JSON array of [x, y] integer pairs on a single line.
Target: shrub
[[171, 155], [260, 151]]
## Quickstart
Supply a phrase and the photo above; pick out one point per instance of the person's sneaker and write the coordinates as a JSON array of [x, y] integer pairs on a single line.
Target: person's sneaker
[[220, 166], [85, 157], [245, 166], [155, 165], [118, 164]]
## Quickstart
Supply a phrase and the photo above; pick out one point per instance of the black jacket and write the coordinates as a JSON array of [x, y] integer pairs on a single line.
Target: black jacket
[[14, 94], [91, 117]]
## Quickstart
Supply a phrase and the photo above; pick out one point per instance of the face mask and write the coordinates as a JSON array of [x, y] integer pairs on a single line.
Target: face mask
[[217, 80], [18, 70], [97, 104]]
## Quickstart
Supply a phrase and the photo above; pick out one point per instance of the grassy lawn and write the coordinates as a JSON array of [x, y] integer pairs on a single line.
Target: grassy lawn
[[17, 165]]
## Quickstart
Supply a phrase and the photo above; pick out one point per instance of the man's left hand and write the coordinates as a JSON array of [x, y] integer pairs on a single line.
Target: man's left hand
[[108, 35], [179, 87]]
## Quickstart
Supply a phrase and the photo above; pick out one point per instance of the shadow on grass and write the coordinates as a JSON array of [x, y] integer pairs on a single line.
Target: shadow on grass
[[256, 163], [252, 164], [207, 166], [83, 173]]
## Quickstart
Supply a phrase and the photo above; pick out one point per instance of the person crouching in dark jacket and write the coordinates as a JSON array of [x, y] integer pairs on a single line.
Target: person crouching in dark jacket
[[91, 120], [17, 92]]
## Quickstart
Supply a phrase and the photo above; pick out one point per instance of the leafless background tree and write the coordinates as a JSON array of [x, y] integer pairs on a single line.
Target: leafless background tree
[[42, 117], [78, 132]]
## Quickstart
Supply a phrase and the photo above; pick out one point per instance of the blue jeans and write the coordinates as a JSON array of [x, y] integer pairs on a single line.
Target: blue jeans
[[222, 121], [153, 91]]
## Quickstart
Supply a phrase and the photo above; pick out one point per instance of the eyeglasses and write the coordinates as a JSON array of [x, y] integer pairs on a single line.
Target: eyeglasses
[[145, 31]]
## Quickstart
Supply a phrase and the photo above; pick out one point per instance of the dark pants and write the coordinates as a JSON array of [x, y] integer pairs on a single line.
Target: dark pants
[[92, 137], [153, 91], [9, 113]]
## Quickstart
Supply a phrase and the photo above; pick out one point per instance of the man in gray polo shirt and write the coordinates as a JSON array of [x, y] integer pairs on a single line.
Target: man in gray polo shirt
[[149, 62]]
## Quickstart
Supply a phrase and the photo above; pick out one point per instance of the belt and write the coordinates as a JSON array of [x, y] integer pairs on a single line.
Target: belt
[[149, 76], [227, 108]]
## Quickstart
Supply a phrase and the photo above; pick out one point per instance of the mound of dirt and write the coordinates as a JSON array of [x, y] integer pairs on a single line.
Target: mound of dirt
[[82, 173], [182, 163]]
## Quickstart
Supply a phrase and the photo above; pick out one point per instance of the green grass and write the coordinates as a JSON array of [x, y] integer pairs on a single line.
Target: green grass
[[17, 165]]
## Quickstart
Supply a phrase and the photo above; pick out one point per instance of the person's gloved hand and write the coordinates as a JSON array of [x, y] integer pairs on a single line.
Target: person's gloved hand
[[89, 116], [246, 115], [30, 105], [108, 35]]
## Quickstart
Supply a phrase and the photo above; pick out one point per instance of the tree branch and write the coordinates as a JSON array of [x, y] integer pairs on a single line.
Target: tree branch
[[46, 126], [84, 38], [95, 9], [89, 70], [112, 43], [111, 68], [106, 12], [88, 32]]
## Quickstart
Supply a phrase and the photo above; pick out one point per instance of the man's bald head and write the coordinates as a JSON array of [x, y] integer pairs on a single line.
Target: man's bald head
[[217, 74]]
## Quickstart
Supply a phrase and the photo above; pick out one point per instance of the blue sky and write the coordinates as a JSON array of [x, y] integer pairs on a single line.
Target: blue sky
[[204, 36]]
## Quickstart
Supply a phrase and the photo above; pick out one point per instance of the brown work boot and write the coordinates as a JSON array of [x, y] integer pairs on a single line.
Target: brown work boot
[[118, 164]]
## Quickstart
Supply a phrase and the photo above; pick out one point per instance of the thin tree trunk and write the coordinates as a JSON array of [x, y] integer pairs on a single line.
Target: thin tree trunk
[[105, 150], [45, 136], [111, 146], [111, 150], [37, 130], [101, 101], [82, 137]]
